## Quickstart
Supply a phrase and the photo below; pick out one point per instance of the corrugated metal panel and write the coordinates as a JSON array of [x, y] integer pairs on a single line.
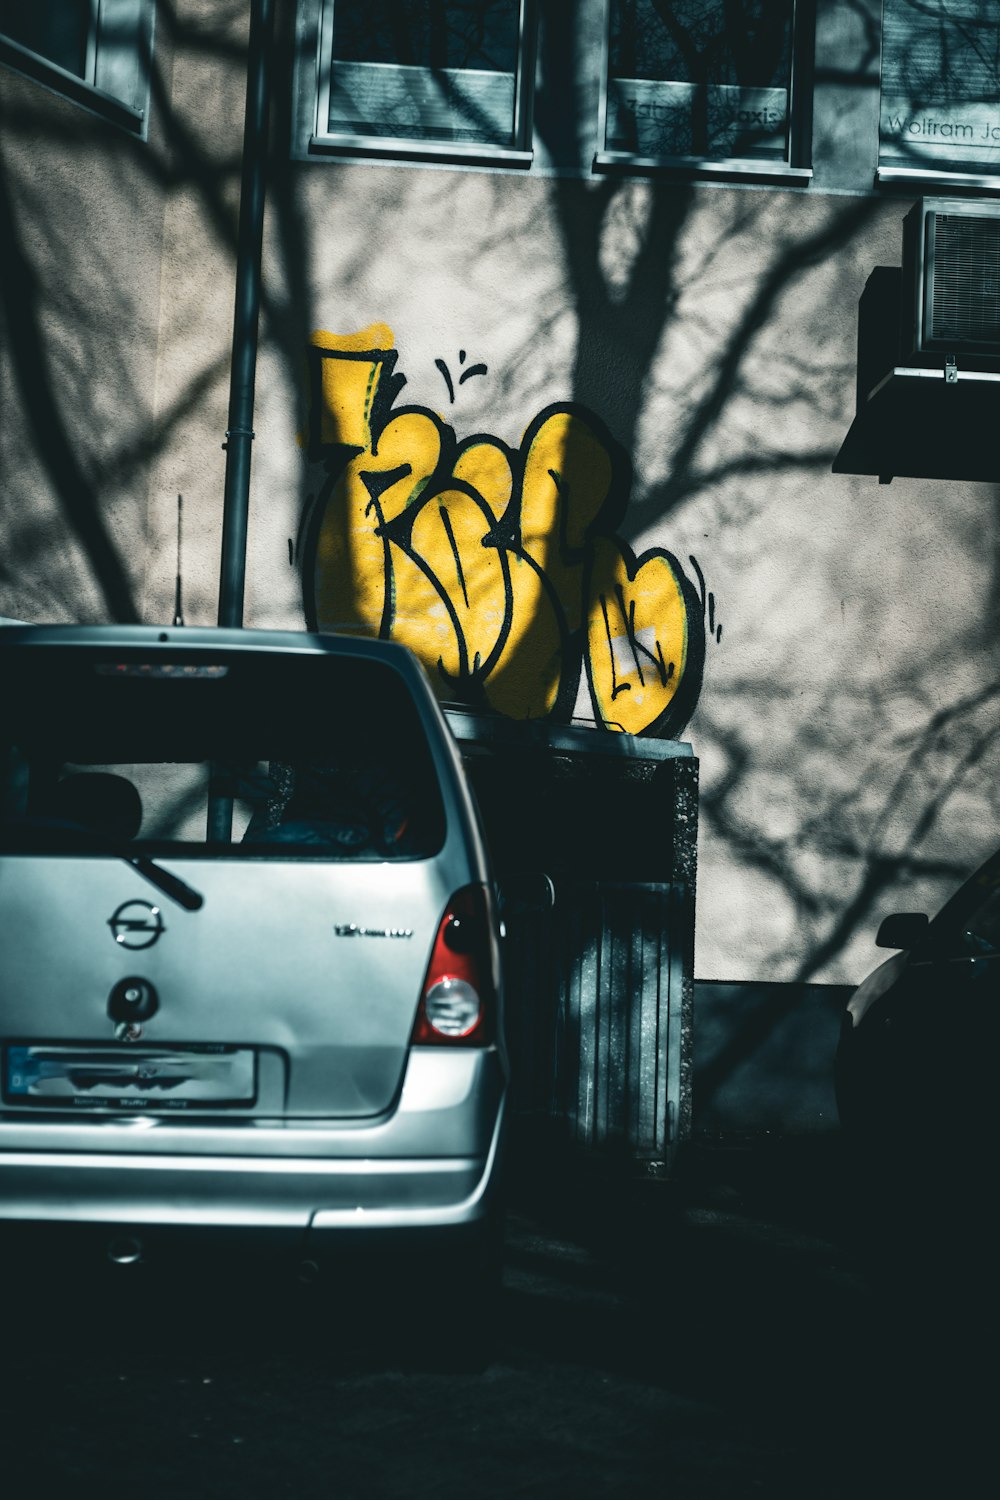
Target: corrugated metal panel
[[595, 1012]]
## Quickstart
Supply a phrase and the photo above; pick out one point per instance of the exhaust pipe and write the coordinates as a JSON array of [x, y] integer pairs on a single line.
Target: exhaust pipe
[[125, 1250]]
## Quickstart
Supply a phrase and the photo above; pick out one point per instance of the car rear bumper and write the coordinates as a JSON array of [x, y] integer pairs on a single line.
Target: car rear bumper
[[431, 1164], [230, 1192]]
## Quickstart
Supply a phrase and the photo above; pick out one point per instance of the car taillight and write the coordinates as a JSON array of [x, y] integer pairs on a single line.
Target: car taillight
[[459, 1001]]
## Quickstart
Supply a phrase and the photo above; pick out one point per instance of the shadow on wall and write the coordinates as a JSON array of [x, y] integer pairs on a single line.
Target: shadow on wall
[[81, 317], [897, 799], [39, 377], [640, 282]]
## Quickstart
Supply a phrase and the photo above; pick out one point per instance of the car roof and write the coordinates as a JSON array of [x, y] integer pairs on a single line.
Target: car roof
[[154, 639], [199, 637]]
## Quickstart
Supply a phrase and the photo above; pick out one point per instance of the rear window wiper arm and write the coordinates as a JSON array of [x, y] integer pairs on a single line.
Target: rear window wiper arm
[[171, 885]]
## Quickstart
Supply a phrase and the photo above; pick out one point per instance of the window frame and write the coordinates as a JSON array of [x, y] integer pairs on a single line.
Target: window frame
[[95, 91], [937, 180], [794, 171], [323, 141]]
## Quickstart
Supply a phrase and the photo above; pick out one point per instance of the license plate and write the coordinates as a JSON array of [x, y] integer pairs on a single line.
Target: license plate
[[146, 1078]]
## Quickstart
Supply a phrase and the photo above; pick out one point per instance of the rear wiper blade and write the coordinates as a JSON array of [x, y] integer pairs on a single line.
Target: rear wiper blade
[[171, 885]]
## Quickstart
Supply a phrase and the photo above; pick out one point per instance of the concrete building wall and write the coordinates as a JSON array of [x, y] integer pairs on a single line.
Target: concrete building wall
[[837, 680], [845, 725], [82, 215]]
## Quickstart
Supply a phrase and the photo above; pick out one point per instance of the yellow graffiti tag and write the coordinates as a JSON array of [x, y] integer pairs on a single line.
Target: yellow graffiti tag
[[349, 381], [355, 567], [637, 632], [498, 568], [449, 537], [567, 476]]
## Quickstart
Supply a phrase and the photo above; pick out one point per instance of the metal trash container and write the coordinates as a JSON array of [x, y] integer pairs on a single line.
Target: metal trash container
[[599, 981]]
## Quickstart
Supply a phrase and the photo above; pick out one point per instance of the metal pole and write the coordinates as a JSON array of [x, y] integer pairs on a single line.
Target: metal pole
[[239, 435]]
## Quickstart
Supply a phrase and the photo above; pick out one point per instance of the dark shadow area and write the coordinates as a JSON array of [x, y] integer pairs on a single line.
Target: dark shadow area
[[718, 1336], [763, 1057], [762, 1281], [627, 297]]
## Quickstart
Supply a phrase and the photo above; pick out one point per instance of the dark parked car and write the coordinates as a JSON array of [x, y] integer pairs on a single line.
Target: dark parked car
[[916, 1088], [916, 1061]]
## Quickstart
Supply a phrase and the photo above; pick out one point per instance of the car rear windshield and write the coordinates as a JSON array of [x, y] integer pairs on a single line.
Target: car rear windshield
[[270, 755]]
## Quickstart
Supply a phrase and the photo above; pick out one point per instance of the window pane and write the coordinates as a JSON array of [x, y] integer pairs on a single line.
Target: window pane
[[425, 69], [323, 757], [707, 78], [941, 84], [428, 33], [981, 933], [58, 30]]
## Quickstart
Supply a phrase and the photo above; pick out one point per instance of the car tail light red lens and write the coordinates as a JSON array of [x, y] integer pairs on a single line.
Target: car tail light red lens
[[459, 1001]]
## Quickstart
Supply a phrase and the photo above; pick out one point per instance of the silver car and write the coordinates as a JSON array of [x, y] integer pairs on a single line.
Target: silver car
[[249, 957]]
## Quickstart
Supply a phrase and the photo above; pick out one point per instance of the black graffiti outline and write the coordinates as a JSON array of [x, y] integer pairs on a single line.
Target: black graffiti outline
[[477, 369], [504, 535], [707, 601], [447, 379], [387, 382], [398, 531], [664, 669]]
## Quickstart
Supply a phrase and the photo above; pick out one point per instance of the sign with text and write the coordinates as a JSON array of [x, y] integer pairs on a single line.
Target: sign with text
[[650, 118], [415, 103], [940, 105]]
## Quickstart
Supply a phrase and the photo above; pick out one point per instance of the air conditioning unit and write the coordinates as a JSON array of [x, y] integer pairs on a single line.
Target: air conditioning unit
[[951, 279]]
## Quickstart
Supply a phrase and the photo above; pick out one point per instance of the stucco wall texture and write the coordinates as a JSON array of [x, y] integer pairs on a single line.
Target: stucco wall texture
[[81, 218], [846, 725]]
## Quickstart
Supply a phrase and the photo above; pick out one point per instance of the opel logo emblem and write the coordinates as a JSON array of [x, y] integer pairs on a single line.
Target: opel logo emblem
[[136, 924]]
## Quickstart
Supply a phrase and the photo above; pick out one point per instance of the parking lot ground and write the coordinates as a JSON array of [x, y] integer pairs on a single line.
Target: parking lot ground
[[716, 1335]]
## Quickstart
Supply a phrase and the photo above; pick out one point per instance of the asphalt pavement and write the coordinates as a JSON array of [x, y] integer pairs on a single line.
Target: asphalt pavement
[[723, 1333]]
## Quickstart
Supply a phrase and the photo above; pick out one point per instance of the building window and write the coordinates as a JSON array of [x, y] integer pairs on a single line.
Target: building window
[[703, 84], [63, 31], [423, 77], [940, 96], [96, 52]]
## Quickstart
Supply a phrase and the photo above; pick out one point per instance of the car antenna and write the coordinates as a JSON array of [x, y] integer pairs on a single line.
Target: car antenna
[[178, 609]]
